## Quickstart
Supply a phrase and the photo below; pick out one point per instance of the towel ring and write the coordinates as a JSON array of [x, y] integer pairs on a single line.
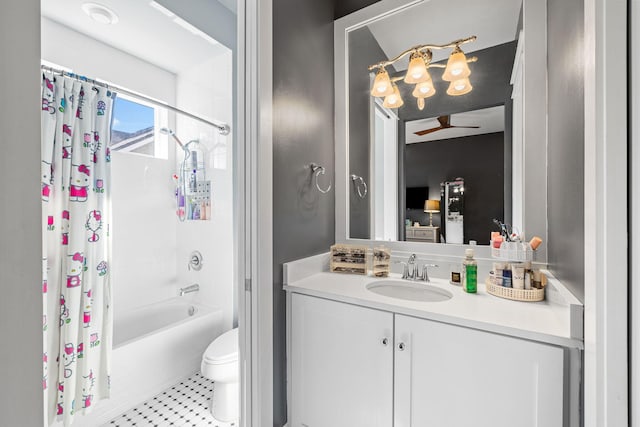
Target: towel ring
[[317, 171], [360, 184]]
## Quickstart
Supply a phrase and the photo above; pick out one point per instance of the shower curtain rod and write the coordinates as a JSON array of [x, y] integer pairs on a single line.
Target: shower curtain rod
[[223, 128]]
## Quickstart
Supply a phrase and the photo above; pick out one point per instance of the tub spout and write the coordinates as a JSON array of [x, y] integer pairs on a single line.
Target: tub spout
[[193, 288]]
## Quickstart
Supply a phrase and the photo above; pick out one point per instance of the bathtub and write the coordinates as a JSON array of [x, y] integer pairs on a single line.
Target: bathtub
[[154, 347]]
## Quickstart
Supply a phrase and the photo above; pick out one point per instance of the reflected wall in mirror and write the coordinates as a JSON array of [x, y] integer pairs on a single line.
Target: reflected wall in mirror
[[406, 148]]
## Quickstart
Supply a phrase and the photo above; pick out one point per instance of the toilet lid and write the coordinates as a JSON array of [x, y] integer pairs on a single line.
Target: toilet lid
[[223, 349]]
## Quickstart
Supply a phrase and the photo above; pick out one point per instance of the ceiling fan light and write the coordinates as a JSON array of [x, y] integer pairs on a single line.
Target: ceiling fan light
[[457, 67], [459, 87], [417, 71], [382, 85], [394, 100]]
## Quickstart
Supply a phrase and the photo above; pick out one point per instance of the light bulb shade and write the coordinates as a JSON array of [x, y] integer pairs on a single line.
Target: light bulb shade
[[459, 87], [417, 71], [432, 205], [382, 85], [394, 100], [424, 89], [457, 67]]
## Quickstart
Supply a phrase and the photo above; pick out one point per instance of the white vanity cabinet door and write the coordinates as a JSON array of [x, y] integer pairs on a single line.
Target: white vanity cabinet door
[[457, 377], [341, 364]]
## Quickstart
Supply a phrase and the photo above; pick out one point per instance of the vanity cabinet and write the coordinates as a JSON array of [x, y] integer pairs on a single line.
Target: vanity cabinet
[[355, 366], [340, 360], [453, 376]]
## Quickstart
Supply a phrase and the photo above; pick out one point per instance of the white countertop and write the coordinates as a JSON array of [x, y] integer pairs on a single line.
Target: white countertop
[[548, 321]]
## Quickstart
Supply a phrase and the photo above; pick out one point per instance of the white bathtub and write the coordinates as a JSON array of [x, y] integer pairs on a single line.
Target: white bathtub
[[155, 347]]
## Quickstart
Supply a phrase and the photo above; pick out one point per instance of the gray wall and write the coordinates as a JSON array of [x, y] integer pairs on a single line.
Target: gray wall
[[479, 160], [364, 50], [345, 7], [565, 159], [303, 132], [21, 403]]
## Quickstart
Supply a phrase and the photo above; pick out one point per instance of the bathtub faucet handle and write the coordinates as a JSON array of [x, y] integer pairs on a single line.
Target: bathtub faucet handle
[[195, 261], [192, 288]]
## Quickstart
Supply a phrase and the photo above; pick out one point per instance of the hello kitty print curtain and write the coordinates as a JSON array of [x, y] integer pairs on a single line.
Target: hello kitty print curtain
[[77, 318]]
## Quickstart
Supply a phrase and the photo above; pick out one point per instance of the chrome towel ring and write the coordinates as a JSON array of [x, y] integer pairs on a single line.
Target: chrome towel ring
[[318, 170], [361, 186]]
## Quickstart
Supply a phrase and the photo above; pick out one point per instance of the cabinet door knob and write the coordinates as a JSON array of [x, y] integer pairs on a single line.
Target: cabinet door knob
[[401, 346], [385, 341]]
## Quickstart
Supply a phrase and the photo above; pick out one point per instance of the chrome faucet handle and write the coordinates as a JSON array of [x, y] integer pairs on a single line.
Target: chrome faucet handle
[[425, 272], [412, 259], [405, 269]]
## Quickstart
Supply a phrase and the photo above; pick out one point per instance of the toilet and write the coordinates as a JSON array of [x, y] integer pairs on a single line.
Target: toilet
[[220, 364]]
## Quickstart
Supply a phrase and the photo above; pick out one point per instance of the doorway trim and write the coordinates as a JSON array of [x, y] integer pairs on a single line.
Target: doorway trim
[[256, 238]]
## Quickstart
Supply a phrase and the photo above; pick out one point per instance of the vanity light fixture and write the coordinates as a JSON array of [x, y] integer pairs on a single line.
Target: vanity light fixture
[[382, 84], [394, 100], [459, 87], [417, 71], [456, 71], [457, 67]]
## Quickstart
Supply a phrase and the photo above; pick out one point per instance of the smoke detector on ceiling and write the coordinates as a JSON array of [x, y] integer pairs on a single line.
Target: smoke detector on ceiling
[[100, 13]]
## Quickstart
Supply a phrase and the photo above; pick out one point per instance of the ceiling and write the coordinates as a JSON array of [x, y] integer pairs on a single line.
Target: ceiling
[[490, 120], [141, 31], [442, 21]]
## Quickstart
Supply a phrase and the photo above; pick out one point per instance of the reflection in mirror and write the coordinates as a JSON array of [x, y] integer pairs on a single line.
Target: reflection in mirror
[[462, 142]]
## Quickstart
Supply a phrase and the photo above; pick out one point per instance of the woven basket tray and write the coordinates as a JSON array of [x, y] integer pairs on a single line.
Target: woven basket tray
[[528, 295]]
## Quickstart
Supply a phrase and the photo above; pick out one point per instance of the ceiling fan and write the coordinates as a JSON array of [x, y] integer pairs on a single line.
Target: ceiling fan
[[444, 124]]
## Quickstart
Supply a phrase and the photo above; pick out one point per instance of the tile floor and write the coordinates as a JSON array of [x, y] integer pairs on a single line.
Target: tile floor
[[184, 405]]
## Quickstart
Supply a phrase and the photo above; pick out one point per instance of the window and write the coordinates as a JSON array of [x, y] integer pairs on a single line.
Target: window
[[136, 127]]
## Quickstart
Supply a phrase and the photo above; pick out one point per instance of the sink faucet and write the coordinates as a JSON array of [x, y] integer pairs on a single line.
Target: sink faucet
[[192, 288], [411, 270]]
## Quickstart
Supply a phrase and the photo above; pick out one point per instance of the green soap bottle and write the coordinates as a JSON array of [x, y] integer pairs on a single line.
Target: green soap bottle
[[470, 271]]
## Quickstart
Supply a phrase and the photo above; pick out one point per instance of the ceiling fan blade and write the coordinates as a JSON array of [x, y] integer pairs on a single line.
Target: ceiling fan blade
[[427, 131]]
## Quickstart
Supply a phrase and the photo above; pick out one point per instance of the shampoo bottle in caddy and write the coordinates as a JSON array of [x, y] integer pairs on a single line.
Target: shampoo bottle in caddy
[[470, 272]]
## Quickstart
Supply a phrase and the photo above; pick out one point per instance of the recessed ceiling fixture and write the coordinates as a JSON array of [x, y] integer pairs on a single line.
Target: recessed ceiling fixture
[[456, 72], [100, 13]]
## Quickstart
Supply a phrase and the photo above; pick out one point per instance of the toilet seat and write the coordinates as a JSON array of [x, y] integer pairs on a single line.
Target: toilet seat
[[223, 349]]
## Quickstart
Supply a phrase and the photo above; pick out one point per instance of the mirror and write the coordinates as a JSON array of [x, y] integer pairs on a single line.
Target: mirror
[[477, 138]]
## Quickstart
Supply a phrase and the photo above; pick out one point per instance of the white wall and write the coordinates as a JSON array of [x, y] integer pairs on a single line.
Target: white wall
[[21, 403], [214, 237]]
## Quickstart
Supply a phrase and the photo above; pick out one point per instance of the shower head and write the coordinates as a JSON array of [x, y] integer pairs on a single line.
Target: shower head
[[167, 131]]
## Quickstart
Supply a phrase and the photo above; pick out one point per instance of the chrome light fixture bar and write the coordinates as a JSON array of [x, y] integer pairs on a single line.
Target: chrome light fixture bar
[[456, 72]]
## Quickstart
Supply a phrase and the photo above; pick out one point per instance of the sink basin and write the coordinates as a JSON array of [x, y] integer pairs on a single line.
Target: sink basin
[[410, 291]]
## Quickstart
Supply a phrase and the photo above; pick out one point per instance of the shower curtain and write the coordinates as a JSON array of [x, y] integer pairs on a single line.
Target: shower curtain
[[77, 318]]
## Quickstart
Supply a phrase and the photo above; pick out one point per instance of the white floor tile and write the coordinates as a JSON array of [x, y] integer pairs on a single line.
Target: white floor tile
[[183, 405]]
